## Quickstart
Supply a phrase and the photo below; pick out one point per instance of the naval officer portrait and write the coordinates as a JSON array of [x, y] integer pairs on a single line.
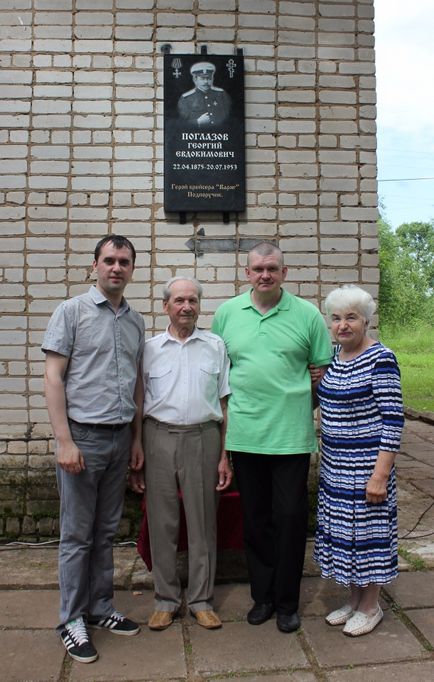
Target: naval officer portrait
[[205, 105]]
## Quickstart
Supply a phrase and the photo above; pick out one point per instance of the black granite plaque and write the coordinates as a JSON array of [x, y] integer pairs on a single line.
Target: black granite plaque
[[204, 163]]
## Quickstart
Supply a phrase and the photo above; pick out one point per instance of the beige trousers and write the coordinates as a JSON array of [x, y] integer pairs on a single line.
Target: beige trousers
[[182, 458]]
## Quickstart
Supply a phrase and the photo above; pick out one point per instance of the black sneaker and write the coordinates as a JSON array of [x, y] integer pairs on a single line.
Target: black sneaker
[[77, 643], [116, 623]]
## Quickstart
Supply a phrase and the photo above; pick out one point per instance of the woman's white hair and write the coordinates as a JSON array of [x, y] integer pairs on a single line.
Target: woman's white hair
[[350, 296]]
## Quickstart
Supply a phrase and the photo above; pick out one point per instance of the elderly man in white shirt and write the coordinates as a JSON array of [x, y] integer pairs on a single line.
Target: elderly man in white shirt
[[185, 373]]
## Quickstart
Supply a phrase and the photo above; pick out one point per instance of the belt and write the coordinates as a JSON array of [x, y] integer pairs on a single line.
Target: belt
[[182, 427], [105, 427]]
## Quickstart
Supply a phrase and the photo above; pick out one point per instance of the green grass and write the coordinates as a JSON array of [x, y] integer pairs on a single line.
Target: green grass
[[416, 562], [414, 349]]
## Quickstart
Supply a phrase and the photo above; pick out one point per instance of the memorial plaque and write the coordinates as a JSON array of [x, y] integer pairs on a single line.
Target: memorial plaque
[[204, 163]]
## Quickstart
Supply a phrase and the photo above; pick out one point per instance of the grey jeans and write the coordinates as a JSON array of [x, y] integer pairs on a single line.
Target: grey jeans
[[91, 504]]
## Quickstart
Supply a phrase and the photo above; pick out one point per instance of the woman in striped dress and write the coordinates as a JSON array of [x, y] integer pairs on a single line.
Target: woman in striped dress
[[361, 423]]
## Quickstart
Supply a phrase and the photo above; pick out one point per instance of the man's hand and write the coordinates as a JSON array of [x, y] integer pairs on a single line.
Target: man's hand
[[204, 119], [136, 481], [137, 457], [225, 473], [69, 457]]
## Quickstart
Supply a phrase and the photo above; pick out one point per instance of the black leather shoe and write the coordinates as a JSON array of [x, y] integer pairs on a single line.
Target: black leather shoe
[[259, 613], [286, 623]]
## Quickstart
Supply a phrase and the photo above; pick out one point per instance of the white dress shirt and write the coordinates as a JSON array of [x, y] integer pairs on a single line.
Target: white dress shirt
[[185, 381]]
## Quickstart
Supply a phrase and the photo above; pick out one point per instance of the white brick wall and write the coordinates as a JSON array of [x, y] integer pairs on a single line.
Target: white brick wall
[[81, 155]]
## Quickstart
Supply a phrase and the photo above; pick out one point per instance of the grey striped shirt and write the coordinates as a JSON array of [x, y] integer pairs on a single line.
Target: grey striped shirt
[[104, 348]]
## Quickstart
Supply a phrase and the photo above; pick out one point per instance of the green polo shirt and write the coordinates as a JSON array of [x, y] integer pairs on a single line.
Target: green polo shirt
[[270, 407]]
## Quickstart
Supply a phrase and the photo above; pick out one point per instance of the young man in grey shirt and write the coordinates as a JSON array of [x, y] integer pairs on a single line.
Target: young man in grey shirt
[[93, 346]]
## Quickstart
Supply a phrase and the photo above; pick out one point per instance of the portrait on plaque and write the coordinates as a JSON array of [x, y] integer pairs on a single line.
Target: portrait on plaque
[[205, 105], [204, 164]]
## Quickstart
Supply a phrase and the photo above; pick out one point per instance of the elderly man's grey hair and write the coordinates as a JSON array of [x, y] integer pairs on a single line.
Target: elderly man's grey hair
[[265, 249], [350, 296], [180, 278]]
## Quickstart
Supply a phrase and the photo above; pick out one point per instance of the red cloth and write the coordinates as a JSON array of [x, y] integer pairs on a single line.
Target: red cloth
[[229, 527]]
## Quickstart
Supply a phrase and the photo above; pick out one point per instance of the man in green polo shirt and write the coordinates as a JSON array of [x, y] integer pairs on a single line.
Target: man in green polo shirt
[[271, 337]]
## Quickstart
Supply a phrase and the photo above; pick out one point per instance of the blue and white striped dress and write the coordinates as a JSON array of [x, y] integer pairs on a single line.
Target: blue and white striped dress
[[361, 412]]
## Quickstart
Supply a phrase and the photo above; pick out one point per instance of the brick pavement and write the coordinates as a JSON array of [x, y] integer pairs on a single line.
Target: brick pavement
[[400, 649]]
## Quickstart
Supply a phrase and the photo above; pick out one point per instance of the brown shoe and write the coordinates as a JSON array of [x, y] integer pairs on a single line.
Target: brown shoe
[[208, 619], [160, 620]]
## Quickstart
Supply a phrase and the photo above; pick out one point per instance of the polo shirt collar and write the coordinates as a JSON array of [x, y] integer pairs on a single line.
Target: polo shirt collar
[[283, 304]]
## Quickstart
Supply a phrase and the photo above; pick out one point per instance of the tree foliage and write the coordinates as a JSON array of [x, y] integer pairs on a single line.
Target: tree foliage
[[406, 274], [418, 240]]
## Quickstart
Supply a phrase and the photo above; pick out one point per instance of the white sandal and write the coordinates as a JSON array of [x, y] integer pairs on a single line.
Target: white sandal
[[360, 623], [340, 616]]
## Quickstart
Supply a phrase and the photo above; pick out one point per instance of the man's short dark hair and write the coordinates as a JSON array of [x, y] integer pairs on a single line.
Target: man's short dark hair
[[118, 242], [265, 249]]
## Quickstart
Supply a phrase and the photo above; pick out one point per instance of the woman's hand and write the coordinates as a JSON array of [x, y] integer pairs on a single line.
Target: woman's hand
[[376, 489], [316, 374]]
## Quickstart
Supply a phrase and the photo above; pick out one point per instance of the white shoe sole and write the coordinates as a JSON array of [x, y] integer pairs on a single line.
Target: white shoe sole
[[80, 659]]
